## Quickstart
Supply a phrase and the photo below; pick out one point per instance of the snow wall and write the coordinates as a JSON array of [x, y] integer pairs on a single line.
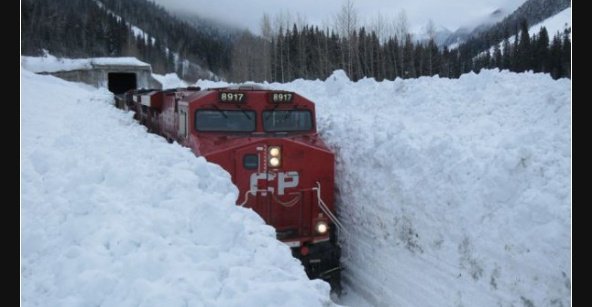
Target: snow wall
[[455, 192], [114, 216]]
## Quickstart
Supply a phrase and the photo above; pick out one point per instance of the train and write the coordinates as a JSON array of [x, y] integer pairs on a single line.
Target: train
[[268, 141]]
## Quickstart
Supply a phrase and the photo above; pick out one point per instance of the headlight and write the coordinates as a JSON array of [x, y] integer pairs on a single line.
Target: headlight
[[275, 156], [274, 162], [274, 151], [321, 227]]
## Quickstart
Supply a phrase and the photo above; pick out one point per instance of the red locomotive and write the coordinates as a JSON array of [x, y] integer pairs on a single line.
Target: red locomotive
[[267, 141]]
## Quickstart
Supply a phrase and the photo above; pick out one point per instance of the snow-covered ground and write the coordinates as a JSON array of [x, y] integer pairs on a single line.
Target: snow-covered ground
[[114, 216], [454, 192]]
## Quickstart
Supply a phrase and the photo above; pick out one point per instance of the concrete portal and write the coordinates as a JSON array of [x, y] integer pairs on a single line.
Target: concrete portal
[[116, 74]]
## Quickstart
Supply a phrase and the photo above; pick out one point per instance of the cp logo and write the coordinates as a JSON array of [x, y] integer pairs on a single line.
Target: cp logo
[[284, 180]]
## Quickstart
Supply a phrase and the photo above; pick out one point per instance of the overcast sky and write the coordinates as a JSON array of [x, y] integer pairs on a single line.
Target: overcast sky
[[451, 14]]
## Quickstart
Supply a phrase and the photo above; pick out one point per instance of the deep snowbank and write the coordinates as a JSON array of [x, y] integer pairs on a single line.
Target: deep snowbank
[[170, 80], [113, 216], [455, 192]]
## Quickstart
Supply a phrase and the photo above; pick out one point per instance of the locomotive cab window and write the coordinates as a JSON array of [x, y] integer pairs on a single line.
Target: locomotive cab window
[[287, 121], [225, 120]]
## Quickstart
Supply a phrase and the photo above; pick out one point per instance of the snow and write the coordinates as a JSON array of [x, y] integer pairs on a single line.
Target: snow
[[453, 192], [554, 25], [118, 61], [50, 63], [171, 80], [140, 33], [114, 216], [137, 31]]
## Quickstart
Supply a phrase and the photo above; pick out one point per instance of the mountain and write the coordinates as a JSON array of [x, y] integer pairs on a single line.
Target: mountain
[[499, 24], [440, 34], [213, 27], [139, 28], [555, 25], [532, 11], [465, 32]]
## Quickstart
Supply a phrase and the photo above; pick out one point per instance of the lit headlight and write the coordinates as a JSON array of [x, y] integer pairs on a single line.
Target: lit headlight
[[274, 151], [275, 156], [321, 227]]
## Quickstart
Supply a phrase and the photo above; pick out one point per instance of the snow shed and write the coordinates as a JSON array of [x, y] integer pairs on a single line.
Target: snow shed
[[116, 74], [120, 82]]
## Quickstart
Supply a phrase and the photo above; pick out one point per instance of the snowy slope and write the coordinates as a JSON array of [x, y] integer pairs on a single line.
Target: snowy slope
[[137, 31], [184, 63], [490, 14], [114, 216], [554, 25], [557, 23], [454, 192]]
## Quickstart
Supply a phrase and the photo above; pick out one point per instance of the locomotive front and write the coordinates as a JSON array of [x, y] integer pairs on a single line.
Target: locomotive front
[[268, 142]]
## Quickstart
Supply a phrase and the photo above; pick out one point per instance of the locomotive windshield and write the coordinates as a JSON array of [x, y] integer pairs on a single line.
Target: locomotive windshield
[[225, 120], [286, 121]]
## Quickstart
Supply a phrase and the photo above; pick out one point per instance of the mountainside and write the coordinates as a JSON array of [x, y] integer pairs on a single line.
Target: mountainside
[[138, 28], [463, 33], [533, 11], [208, 26], [440, 35], [557, 24]]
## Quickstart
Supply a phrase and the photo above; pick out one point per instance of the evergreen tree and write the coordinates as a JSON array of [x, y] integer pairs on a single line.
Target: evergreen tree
[[541, 52], [445, 64], [408, 58], [418, 60], [524, 52], [506, 54], [497, 57], [433, 56], [566, 54], [555, 67]]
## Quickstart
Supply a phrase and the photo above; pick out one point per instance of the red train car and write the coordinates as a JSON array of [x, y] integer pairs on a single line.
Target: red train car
[[267, 140]]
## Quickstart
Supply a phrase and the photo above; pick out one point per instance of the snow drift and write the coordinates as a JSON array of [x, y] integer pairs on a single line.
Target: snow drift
[[169, 81], [454, 192], [114, 216]]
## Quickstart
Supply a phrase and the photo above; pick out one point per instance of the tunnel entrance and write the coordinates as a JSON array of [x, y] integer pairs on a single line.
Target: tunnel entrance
[[120, 82]]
